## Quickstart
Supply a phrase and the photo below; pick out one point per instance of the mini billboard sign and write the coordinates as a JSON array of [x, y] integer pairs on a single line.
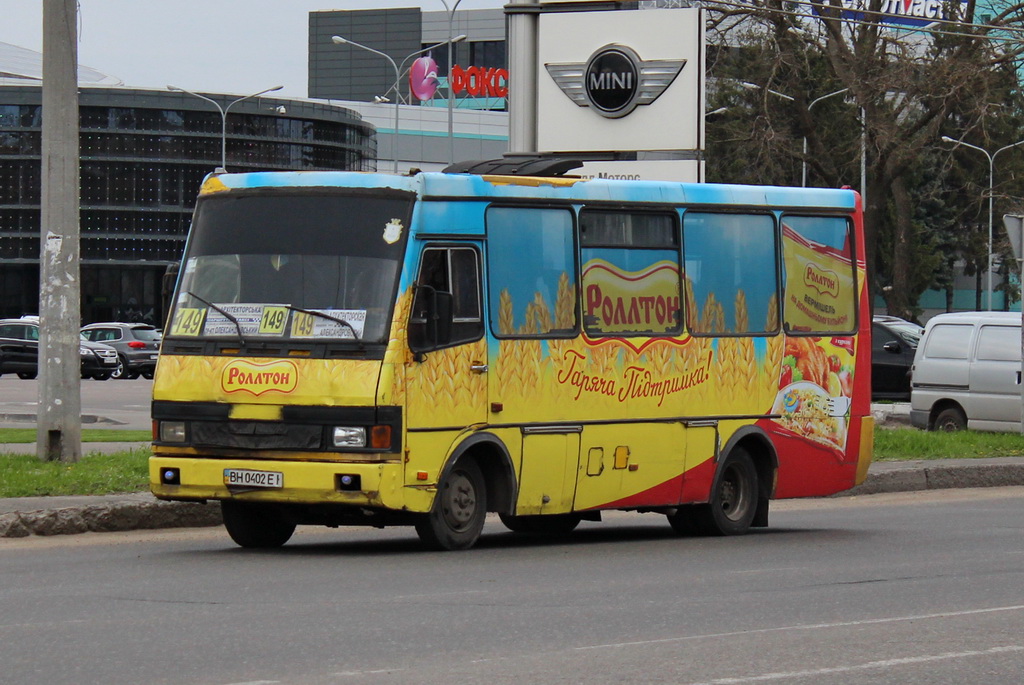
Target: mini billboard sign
[[627, 80]]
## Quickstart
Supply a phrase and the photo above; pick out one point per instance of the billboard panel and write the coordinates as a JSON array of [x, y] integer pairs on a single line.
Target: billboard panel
[[620, 80]]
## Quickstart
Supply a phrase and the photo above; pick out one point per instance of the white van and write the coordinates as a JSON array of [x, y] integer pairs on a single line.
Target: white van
[[967, 373]]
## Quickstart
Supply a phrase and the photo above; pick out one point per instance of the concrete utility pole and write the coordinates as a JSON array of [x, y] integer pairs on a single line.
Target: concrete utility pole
[[60, 402], [522, 68]]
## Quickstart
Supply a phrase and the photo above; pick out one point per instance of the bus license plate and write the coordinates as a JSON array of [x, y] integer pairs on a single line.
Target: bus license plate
[[253, 479]]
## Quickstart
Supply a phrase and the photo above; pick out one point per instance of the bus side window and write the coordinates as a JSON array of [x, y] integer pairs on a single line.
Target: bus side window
[[453, 273], [731, 273]]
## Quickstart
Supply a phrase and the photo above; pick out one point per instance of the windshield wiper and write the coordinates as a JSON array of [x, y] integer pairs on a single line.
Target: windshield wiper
[[226, 315], [313, 312]]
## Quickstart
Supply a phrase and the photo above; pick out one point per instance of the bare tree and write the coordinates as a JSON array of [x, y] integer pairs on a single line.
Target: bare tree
[[909, 86]]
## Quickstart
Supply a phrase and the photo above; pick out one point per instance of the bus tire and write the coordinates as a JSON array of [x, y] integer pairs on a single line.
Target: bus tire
[[551, 524], [950, 419], [460, 506], [733, 498], [684, 520], [257, 526]]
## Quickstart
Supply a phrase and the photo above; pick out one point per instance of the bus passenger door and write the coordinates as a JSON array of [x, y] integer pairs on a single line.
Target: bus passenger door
[[446, 384]]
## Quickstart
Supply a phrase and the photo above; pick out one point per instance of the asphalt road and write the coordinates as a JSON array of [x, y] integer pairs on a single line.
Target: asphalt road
[[105, 404], [909, 588]]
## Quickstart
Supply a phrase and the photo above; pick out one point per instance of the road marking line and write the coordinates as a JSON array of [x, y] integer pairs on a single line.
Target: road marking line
[[814, 626], [438, 594], [346, 674], [885, 663]]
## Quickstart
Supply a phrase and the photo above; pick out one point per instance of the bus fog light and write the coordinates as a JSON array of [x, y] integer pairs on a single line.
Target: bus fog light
[[348, 482], [172, 431], [170, 476], [349, 436]]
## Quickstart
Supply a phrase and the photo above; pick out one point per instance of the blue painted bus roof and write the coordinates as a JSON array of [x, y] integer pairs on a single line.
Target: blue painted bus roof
[[436, 184]]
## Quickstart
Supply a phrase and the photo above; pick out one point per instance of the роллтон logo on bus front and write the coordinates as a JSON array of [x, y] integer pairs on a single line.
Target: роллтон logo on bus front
[[614, 81], [242, 375]]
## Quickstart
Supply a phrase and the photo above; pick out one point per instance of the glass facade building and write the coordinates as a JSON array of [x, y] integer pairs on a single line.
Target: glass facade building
[[144, 154]]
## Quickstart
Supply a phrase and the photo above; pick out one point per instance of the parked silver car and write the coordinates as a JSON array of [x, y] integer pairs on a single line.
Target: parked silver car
[[137, 345], [19, 351]]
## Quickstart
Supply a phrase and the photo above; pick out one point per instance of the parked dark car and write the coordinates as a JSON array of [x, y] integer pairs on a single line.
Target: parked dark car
[[19, 351], [893, 343], [137, 346]]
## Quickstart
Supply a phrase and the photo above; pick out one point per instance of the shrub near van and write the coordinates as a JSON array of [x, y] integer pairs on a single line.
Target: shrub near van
[[967, 373]]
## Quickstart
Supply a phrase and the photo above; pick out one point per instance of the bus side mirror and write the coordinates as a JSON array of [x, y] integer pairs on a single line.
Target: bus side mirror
[[431, 324]]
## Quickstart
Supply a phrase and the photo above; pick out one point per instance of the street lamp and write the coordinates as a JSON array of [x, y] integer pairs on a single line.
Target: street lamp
[[223, 118], [338, 40], [451, 94], [991, 179], [803, 173], [863, 135], [754, 86]]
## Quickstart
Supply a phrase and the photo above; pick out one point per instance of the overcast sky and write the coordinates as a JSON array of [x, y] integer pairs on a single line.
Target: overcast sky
[[224, 46]]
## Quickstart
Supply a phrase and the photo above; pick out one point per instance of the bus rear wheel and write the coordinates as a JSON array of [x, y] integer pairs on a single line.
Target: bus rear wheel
[[460, 506], [255, 525], [551, 524], [733, 501]]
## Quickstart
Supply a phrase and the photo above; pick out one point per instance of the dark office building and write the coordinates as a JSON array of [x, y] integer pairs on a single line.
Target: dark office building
[[144, 154]]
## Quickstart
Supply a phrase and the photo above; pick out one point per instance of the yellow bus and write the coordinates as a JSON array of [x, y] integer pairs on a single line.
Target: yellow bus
[[367, 349]]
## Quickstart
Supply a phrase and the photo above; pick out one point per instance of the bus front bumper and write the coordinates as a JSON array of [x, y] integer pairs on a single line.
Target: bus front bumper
[[379, 485]]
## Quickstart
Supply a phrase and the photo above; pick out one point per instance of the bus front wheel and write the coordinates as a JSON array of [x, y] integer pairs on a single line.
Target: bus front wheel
[[733, 502], [460, 506], [256, 525]]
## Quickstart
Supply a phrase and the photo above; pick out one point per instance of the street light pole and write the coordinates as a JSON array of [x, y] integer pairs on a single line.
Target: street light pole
[[863, 135], [813, 103], [451, 93], [223, 117], [991, 184], [338, 40]]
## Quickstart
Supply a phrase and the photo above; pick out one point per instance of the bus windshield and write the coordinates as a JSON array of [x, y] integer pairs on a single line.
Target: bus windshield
[[303, 267]]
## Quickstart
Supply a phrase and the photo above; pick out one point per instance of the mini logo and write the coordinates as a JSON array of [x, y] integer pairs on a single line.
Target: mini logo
[[614, 81], [256, 379]]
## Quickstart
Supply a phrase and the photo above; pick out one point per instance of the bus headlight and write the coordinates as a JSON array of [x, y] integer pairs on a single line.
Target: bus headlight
[[172, 431], [349, 436]]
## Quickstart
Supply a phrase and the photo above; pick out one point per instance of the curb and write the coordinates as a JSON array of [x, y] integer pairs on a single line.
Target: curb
[[939, 477], [72, 515], [105, 517]]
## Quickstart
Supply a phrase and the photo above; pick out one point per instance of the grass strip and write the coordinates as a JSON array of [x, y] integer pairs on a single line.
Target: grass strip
[[24, 475], [24, 435], [904, 444]]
